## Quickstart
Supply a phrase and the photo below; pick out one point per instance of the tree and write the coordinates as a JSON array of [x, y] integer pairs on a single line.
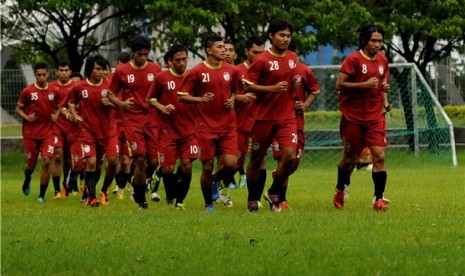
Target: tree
[[428, 30], [65, 29], [187, 22]]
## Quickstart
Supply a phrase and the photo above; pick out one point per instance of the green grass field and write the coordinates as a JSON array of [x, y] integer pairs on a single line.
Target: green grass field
[[422, 234]]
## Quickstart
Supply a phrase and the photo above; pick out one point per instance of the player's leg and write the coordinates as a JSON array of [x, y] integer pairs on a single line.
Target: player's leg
[[256, 169], [184, 174], [376, 138], [110, 145], [31, 148], [89, 180], [46, 153], [152, 144], [286, 137], [206, 182], [352, 139], [56, 171]]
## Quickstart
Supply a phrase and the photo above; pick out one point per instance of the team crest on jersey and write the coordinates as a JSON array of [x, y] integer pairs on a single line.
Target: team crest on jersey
[[86, 148], [291, 64], [150, 77], [226, 76], [51, 96], [133, 145], [75, 158], [381, 70], [104, 93], [162, 157], [28, 155]]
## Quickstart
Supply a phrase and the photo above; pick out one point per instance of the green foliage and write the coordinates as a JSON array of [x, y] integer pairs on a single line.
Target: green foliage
[[420, 26]]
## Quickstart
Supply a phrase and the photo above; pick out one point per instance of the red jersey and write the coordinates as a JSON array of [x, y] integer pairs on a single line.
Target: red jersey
[[116, 112], [309, 85], [164, 90], [62, 124], [363, 105], [97, 118], [221, 81], [42, 102], [269, 69], [245, 115], [133, 81]]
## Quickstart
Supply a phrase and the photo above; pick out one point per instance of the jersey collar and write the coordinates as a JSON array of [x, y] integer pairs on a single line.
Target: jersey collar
[[365, 56], [41, 88]]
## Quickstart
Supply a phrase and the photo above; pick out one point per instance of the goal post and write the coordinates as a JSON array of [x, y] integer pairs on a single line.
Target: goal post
[[416, 128]]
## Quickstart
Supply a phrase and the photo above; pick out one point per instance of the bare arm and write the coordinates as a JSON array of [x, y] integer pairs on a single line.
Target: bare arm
[[187, 98], [28, 117], [280, 87]]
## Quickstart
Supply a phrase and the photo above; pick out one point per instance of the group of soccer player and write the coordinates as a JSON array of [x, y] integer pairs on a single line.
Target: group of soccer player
[[142, 120]]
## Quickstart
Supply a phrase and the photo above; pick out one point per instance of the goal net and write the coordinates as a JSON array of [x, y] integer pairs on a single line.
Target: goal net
[[417, 128]]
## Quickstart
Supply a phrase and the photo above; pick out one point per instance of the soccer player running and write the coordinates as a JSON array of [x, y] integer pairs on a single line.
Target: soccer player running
[[245, 114], [124, 164], [61, 129], [304, 95], [212, 85], [361, 84], [177, 127], [133, 81], [37, 107], [271, 78], [97, 127]]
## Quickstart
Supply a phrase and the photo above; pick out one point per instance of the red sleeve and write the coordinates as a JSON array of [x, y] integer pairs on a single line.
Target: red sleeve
[[188, 83], [253, 73], [115, 84], [24, 97], [312, 83], [348, 66]]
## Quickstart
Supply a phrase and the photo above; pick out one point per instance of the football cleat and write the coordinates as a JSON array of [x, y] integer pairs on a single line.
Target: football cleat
[[155, 197], [273, 200], [252, 206], [381, 205], [284, 205], [180, 206], [225, 200], [26, 188], [57, 195], [103, 198], [374, 200], [94, 202], [210, 208], [40, 200], [143, 205], [338, 199]]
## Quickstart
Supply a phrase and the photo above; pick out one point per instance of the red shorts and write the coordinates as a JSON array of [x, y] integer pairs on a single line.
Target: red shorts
[[58, 138], [284, 132], [356, 137], [124, 147], [277, 153], [100, 147], [34, 146], [77, 154], [142, 140], [217, 143], [172, 148], [242, 146]]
